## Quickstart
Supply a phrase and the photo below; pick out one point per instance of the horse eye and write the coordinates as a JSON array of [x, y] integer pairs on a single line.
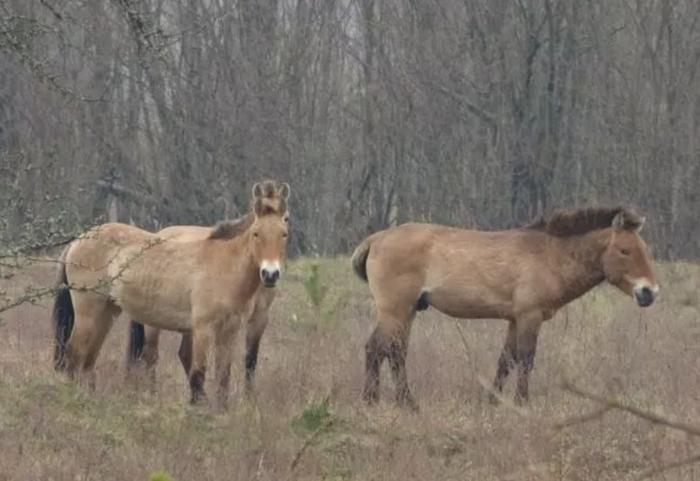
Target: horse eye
[[284, 235], [255, 234], [625, 252]]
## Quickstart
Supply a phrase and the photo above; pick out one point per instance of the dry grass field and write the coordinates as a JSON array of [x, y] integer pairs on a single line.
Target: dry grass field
[[307, 421]]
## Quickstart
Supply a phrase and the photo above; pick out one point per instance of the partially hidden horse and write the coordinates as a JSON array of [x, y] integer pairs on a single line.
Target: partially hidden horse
[[204, 285], [521, 275], [144, 339]]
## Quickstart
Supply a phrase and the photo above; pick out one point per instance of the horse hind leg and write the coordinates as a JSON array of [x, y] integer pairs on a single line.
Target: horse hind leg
[[398, 351], [389, 340], [375, 352], [93, 320], [506, 362]]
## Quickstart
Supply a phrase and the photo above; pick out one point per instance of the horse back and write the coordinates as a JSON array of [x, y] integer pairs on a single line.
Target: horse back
[[90, 257]]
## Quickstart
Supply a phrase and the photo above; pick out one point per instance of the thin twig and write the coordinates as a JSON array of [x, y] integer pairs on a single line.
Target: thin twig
[[572, 421], [613, 403], [675, 464], [309, 441]]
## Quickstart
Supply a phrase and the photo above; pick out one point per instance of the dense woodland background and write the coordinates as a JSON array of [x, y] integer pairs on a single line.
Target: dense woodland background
[[475, 112]]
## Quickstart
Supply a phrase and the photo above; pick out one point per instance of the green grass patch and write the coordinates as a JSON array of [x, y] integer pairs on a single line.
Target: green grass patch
[[160, 476], [314, 417]]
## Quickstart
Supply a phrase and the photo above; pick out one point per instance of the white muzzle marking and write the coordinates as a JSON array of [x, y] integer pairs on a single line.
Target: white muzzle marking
[[270, 266], [270, 272]]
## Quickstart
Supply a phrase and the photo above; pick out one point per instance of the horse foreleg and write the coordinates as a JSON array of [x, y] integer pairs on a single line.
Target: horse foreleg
[[505, 362], [202, 337], [256, 328], [185, 351], [527, 330], [224, 354], [149, 353]]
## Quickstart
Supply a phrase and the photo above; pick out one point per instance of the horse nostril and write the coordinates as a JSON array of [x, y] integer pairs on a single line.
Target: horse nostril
[[268, 276], [645, 296]]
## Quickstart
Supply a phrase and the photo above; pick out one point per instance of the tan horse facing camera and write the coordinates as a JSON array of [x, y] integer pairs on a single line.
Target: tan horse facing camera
[[522, 275], [204, 285], [144, 339]]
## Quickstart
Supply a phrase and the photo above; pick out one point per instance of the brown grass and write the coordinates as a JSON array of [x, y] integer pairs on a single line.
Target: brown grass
[[51, 429]]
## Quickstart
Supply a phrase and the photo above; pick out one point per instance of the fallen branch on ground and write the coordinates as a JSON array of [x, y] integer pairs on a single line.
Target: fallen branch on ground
[[610, 403]]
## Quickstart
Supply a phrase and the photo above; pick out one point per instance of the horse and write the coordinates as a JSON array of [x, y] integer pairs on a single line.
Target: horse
[[205, 285], [522, 275], [144, 339]]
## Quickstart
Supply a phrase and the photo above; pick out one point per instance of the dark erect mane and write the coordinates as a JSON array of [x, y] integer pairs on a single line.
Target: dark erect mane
[[571, 222], [229, 229]]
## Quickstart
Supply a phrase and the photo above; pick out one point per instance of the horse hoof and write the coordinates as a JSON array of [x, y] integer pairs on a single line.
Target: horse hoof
[[198, 398], [408, 403], [370, 399]]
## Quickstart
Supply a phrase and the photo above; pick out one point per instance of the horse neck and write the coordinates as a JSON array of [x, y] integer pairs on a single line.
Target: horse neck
[[241, 254], [582, 266]]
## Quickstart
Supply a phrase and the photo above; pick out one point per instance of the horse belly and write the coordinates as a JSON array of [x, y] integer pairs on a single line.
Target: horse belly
[[470, 305], [164, 317], [156, 304]]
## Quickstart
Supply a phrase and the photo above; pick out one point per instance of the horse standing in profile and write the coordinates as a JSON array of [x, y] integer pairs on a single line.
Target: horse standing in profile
[[205, 285], [144, 339], [522, 275]]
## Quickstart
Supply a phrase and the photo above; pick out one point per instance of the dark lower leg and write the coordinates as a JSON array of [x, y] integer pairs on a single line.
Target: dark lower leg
[[505, 364], [197, 385], [507, 359], [375, 351], [397, 360], [524, 368], [201, 341], [136, 343], [224, 376], [251, 361], [526, 361], [185, 352]]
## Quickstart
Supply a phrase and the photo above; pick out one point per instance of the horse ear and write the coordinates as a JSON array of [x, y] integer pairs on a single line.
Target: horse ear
[[257, 190], [258, 206], [639, 227], [284, 191], [618, 222]]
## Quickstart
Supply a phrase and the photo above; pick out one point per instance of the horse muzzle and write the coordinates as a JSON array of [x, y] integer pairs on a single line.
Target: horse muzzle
[[645, 295], [269, 276]]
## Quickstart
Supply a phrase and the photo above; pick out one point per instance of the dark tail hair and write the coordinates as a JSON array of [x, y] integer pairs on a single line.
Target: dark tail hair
[[137, 337], [359, 257], [63, 315]]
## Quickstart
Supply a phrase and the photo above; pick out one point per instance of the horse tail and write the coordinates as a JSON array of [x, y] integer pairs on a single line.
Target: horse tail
[[63, 315], [359, 257], [137, 338]]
